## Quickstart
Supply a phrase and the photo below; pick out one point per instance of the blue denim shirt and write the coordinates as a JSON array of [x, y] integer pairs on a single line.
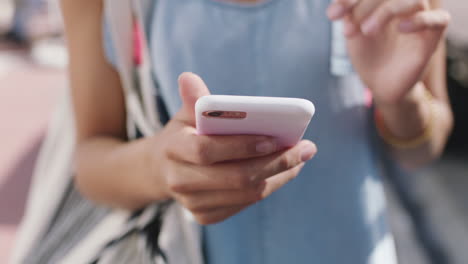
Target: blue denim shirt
[[334, 211]]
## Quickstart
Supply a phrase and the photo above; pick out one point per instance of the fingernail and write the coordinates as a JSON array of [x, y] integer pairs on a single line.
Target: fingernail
[[265, 147], [308, 151], [406, 25], [369, 26], [336, 11], [182, 76]]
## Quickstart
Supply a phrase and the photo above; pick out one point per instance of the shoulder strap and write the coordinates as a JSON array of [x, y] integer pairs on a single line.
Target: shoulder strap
[[139, 99], [144, 70]]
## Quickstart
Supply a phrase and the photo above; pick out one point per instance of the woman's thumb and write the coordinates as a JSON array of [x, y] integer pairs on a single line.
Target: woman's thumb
[[191, 87]]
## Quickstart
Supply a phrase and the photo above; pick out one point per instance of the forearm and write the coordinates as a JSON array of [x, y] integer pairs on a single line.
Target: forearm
[[409, 118], [109, 170], [118, 173]]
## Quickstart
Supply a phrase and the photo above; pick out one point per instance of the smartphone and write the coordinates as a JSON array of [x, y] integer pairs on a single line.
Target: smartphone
[[286, 119]]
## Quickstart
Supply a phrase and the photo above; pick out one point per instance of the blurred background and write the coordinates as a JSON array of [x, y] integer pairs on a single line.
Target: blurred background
[[428, 209]]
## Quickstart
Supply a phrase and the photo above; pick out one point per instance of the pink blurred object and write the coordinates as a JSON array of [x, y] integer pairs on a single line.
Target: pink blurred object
[[137, 43], [368, 97]]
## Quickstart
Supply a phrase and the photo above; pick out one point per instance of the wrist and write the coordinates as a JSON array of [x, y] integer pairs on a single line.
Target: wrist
[[156, 187], [408, 117], [408, 102]]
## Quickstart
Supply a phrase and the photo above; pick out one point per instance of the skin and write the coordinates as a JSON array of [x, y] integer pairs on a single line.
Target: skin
[[212, 176], [215, 177], [400, 40]]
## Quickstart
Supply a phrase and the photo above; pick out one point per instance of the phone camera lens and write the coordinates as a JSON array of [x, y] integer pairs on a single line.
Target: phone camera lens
[[215, 114]]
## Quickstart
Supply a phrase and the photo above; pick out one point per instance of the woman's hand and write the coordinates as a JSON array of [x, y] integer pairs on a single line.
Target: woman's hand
[[390, 42], [215, 177]]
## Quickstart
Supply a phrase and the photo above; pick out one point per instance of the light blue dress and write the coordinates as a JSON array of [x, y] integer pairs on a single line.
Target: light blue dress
[[334, 212]]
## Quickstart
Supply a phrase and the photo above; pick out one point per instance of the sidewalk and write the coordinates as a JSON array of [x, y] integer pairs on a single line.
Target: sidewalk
[[27, 96]]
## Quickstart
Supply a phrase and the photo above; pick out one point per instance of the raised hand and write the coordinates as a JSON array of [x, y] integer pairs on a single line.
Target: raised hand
[[390, 42]]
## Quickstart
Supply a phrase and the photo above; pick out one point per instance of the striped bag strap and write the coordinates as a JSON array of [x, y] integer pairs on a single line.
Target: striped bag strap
[[134, 71]]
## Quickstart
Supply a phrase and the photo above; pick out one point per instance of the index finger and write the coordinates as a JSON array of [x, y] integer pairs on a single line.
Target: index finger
[[340, 8], [207, 150]]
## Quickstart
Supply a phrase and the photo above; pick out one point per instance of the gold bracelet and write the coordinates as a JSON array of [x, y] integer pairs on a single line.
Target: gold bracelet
[[400, 143]]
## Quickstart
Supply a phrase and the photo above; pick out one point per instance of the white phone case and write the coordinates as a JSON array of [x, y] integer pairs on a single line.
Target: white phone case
[[286, 119]]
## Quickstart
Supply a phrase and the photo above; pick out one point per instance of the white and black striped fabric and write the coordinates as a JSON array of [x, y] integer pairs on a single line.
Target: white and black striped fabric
[[74, 219]]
